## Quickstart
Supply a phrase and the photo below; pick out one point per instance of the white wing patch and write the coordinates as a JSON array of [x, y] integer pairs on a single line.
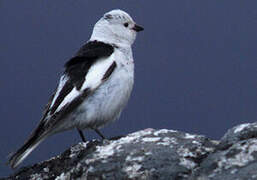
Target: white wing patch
[[96, 73], [72, 95]]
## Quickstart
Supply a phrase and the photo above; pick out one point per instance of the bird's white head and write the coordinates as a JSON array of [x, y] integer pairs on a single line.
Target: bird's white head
[[116, 27]]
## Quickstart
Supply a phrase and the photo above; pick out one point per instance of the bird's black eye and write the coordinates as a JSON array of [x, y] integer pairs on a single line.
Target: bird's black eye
[[126, 24]]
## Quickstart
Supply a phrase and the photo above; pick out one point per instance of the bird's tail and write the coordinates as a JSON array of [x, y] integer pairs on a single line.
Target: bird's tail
[[34, 140]]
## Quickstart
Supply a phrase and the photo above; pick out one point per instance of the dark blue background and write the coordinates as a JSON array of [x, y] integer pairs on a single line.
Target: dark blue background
[[195, 62]]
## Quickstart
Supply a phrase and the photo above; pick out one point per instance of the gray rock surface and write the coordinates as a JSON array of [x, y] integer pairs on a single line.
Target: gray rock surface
[[235, 157], [155, 154]]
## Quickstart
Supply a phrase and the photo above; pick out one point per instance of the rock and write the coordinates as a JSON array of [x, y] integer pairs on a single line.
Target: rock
[[155, 154], [235, 156], [238, 133]]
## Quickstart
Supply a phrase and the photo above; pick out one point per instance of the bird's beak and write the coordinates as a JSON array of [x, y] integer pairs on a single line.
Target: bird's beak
[[137, 28]]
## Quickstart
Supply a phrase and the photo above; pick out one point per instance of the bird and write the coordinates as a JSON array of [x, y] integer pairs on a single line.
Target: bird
[[95, 85]]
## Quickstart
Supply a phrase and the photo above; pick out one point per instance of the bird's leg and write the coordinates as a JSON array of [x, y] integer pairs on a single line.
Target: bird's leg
[[82, 135], [99, 133]]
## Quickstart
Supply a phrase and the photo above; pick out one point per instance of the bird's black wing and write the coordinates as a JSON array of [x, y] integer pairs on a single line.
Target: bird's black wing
[[78, 66]]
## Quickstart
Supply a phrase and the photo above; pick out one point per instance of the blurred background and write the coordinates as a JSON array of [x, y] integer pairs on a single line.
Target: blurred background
[[195, 63]]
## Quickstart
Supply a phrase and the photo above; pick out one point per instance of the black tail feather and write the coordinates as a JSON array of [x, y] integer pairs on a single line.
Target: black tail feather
[[33, 141]]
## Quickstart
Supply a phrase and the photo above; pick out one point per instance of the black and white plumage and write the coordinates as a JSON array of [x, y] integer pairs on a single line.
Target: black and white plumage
[[95, 86]]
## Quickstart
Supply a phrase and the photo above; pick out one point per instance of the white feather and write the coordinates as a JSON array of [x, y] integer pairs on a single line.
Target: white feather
[[69, 97], [112, 30], [96, 73], [27, 152], [62, 81]]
